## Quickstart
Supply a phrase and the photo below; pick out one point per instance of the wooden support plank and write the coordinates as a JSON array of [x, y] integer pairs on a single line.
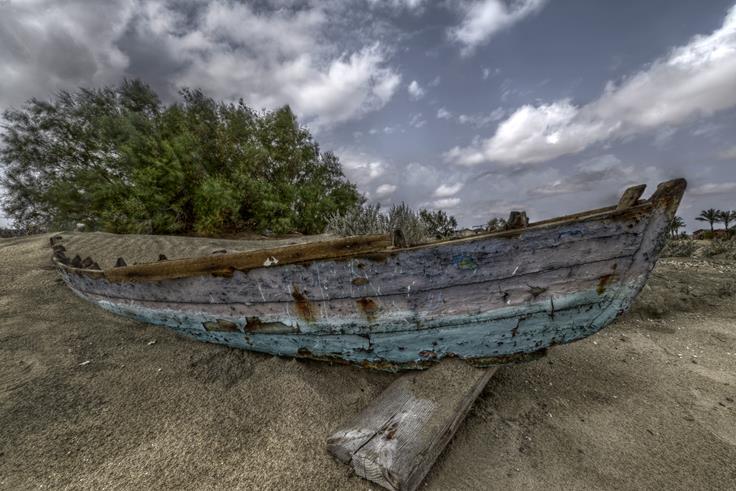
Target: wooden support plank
[[396, 439], [631, 196]]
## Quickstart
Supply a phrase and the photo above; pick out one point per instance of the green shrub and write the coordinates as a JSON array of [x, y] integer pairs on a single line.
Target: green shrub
[[723, 248], [679, 248], [438, 224], [401, 217], [360, 220], [117, 159], [415, 228]]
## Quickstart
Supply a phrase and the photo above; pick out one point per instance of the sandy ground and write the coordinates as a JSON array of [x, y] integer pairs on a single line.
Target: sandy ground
[[90, 400]]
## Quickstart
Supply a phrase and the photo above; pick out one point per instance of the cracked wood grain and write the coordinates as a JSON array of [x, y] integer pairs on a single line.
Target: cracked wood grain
[[396, 439]]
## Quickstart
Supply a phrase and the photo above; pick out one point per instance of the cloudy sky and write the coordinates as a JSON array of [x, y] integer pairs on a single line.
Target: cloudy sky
[[473, 106]]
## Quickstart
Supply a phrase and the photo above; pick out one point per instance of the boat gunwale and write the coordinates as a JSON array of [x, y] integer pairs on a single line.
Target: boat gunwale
[[133, 273]]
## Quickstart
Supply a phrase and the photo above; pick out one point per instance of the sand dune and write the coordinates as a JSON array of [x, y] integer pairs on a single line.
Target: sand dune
[[91, 400]]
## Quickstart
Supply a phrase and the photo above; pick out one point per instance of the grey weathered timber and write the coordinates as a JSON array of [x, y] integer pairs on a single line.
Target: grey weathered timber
[[490, 298], [630, 196], [396, 439]]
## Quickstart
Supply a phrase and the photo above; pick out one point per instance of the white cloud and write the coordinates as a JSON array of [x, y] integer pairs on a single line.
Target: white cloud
[[604, 171], [664, 135], [486, 73], [279, 58], [417, 121], [443, 113], [713, 188], [692, 80], [359, 167], [446, 190], [477, 120], [480, 120], [410, 5], [384, 190], [435, 81], [728, 154], [48, 46], [229, 49], [484, 18], [446, 202], [415, 90]]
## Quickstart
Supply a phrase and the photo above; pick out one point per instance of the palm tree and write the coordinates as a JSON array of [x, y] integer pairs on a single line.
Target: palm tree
[[727, 217], [675, 225], [710, 215]]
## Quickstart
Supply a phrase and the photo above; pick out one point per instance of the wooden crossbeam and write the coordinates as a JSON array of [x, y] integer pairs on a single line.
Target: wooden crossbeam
[[396, 439]]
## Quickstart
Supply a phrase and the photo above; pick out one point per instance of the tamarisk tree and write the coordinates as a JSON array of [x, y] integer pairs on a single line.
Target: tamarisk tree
[[118, 159]]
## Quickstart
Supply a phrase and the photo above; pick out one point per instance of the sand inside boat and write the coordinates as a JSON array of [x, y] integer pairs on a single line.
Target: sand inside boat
[[92, 400]]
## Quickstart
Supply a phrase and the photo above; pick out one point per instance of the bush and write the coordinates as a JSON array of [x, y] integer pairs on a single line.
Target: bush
[[438, 224], [401, 217], [10, 232], [724, 248], [119, 160], [679, 248], [361, 220], [415, 228]]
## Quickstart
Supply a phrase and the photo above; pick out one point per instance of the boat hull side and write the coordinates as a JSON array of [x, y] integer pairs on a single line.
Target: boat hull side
[[411, 334], [484, 338]]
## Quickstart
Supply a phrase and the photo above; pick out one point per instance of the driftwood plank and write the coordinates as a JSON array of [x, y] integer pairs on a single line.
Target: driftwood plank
[[396, 439]]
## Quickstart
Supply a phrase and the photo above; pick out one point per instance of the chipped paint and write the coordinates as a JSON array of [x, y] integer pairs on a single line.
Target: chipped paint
[[551, 286], [255, 325], [524, 329], [464, 261], [220, 325]]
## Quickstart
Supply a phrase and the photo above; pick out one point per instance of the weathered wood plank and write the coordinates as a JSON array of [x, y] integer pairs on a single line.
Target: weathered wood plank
[[419, 310], [631, 196], [405, 273], [226, 263], [396, 439]]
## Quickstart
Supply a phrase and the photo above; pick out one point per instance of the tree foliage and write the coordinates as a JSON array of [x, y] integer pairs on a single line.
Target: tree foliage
[[676, 224], [726, 217], [117, 159], [710, 215], [438, 223]]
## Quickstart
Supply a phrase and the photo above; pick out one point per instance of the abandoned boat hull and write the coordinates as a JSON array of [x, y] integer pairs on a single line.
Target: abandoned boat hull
[[488, 299]]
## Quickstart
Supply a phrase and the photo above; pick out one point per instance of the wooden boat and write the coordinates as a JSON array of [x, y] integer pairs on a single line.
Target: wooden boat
[[491, 298]]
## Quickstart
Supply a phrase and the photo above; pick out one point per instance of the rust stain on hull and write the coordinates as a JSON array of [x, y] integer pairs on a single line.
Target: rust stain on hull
[[603, 283], [369, 307], [304, 308]]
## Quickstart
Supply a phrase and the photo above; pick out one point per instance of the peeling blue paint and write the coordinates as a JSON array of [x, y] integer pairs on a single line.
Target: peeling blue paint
[[502, 333]]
